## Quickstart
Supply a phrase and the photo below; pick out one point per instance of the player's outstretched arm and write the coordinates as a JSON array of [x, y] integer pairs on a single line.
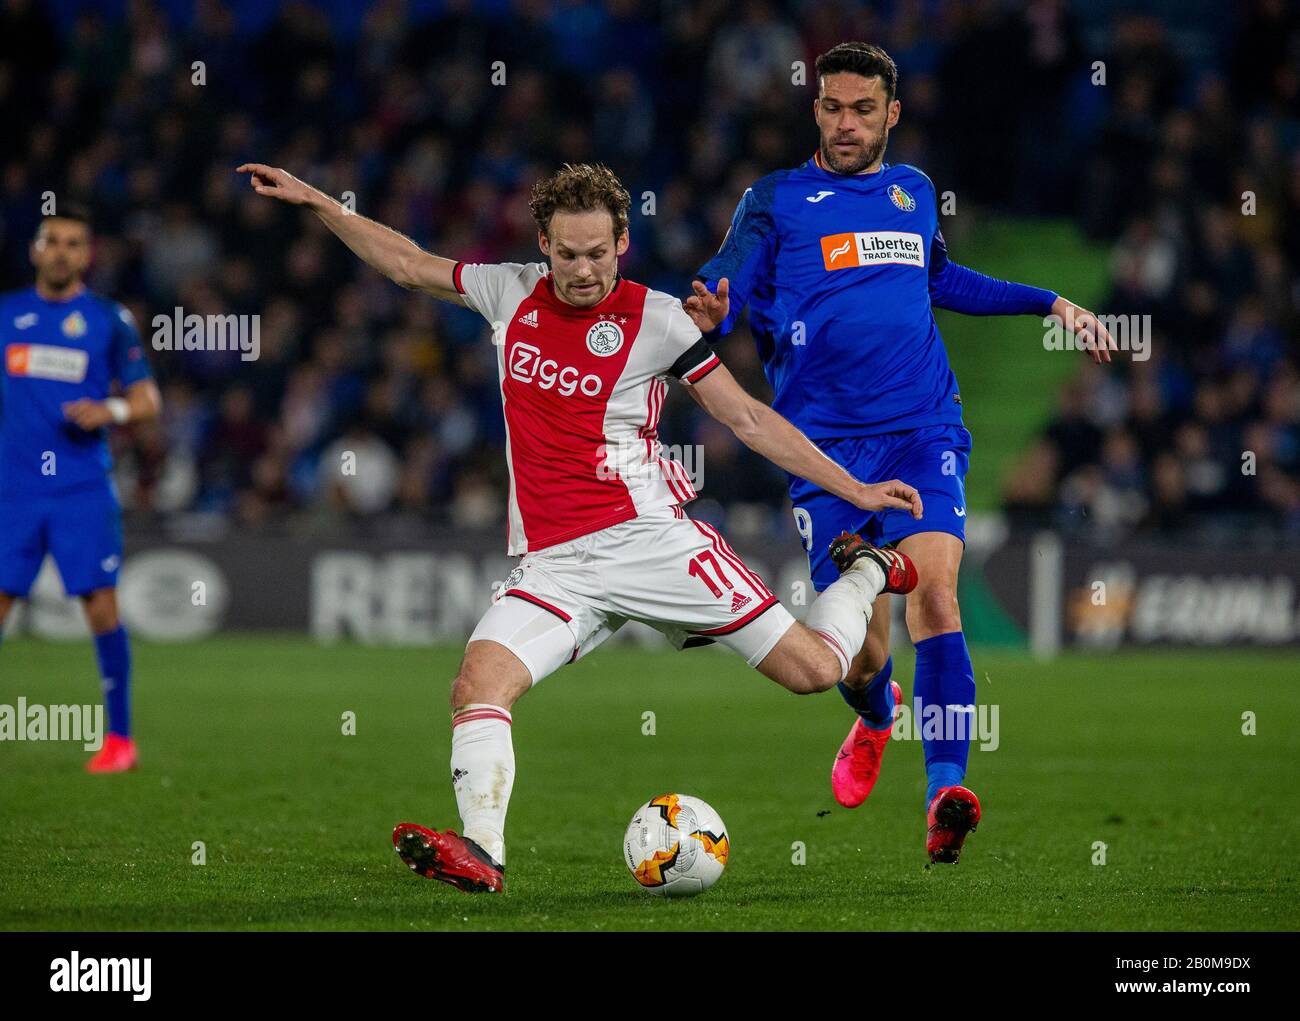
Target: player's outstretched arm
[[1090, 330], [962, 289], [141, 403], [393, 254], [706, 308], [767, 433]]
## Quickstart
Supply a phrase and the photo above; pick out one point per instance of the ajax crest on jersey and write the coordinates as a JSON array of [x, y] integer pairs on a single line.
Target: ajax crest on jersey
[[676, 846], [604, 338], [74, 325], [901, 198]]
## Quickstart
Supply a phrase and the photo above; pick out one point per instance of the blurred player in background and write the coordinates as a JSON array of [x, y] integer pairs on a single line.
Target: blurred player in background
[[595, 510], [841, 261], [64, 347]]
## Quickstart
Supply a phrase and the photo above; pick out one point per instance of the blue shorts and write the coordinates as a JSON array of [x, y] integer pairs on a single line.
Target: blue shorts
[[934, 459], [82, 530]]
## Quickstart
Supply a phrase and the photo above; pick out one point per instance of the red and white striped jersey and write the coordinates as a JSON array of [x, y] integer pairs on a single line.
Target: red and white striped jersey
[[582, 389]]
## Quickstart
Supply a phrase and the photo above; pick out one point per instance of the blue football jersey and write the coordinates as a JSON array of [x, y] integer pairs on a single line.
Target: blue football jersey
[[55, 352], [840, 273]]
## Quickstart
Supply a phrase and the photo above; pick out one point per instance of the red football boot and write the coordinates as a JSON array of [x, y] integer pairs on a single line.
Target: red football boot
[[900, 573], [449, 858], [954, 812], [858, 763], [116, 756]]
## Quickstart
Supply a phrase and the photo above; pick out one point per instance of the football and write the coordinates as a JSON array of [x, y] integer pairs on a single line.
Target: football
[[676, 846]]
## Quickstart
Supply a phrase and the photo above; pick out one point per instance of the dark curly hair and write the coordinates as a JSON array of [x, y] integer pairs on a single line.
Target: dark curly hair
[[865, 59], [579, 188]]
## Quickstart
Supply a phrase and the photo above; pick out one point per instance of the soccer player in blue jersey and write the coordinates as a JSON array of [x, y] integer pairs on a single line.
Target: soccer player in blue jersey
[[841, 261], [63, 347]]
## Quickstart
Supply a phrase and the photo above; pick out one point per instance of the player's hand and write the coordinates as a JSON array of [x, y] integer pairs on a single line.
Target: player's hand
[[88, 414], [892, 495], [278, 184], [706, 309], [1095, 338]]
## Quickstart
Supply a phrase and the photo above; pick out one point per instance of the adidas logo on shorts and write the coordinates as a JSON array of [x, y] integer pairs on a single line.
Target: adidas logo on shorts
[[739, 602]]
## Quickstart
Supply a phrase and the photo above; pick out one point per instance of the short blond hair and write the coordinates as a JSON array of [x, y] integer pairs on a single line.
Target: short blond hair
[[580, 188]]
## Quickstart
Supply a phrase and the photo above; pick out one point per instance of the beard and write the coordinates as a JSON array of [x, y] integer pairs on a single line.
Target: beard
[[58, 277], [583, 299], [856, 162]]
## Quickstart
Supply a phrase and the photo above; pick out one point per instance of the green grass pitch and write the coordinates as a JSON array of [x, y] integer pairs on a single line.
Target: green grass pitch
[[242, 748]]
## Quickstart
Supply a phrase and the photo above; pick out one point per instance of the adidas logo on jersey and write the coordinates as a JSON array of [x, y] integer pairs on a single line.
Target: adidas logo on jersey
[[529, 318], [739, 602]]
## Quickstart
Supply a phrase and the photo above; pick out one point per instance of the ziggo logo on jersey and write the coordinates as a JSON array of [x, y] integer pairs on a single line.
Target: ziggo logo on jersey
[[527, 365]]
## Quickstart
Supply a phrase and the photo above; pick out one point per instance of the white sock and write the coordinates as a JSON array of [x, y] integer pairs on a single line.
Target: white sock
[[843, 611], [482, 774]]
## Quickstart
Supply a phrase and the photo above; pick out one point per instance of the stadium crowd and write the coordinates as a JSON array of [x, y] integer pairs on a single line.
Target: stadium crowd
[[1201, 183], [143, 110]]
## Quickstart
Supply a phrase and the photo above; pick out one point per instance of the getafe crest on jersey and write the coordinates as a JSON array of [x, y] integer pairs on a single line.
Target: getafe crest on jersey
[[74, 325], [901, 198]]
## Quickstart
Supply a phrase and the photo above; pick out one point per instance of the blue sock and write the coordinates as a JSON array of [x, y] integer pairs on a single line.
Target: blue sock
[[944, 677], [875, 702], [114, 654]]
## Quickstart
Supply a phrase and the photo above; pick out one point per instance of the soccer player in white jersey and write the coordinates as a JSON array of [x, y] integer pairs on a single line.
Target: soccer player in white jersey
[[595, 509]]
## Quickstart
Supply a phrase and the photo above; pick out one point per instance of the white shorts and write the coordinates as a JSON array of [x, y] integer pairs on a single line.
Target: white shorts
[[677, 575]]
